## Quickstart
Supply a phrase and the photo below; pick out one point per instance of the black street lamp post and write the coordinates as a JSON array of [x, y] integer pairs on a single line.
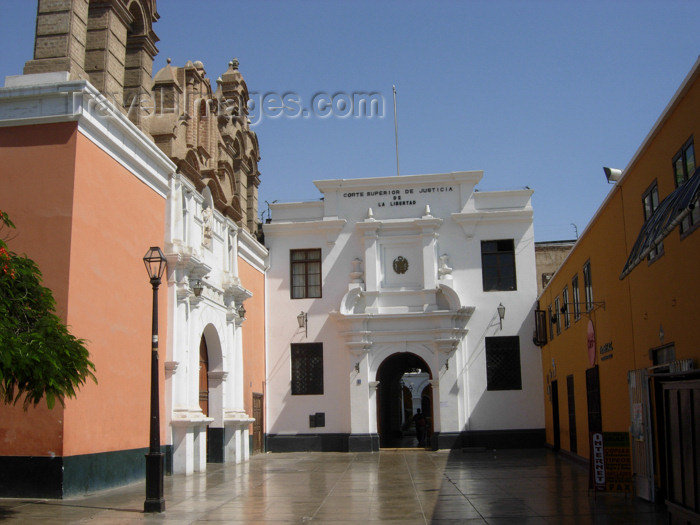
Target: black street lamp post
[[155, 264]]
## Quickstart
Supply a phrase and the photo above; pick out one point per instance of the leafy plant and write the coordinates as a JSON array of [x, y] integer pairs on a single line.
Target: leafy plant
[[39, 357]]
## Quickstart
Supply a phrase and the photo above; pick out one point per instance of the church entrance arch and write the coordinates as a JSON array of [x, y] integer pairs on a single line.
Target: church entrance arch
[[404, 389], [210, 391]]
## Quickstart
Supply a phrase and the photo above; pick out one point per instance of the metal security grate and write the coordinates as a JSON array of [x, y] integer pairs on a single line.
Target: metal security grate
[[503, 363], [307, 368]]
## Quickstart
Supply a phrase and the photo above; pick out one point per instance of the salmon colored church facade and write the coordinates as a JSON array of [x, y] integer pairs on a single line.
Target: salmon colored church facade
[[90, 187]]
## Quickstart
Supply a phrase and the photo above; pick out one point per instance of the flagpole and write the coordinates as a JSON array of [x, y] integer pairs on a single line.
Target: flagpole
[[396, 133]]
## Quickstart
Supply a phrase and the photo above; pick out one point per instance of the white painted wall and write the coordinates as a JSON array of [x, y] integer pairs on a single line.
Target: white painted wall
[[420, 218], [203, 245]]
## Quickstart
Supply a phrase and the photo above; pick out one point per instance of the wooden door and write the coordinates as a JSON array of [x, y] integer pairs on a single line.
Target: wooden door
[[642, 447], [595, 412], [555, 416], [203, 377], [682, 417], [258, 423], [573, 440]]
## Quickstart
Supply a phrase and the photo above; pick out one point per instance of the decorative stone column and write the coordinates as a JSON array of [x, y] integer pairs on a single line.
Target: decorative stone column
[[361, 437], [215, 438]]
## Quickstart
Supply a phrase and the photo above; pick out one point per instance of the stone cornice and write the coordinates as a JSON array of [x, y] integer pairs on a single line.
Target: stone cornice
[[79, 101], [330, 229], [457, 177], [252, 252], [469, 221]]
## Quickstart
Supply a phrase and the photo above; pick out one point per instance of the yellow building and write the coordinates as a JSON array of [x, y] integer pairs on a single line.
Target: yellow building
[[617, 322]]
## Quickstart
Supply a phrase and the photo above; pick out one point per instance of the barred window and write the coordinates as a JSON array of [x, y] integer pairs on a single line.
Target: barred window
[[683, 169], [577, 297], [498, 265], [307, 369], [551, 322], [650, 202], [503, 363], [305, 266], [588, 285]]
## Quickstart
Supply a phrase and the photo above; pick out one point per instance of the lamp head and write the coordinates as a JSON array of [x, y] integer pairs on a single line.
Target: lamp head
[[612, 174], [501, 311], [155, 263]]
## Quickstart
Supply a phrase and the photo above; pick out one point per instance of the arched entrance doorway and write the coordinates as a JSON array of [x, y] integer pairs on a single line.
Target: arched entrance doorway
[[204, 384], [203, 377], [404, 389]]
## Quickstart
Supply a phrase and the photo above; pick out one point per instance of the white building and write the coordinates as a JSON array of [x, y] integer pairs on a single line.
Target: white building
[[205, 376], [402, 275]]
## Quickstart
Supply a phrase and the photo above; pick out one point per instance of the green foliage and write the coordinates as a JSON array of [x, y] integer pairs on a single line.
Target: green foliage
[[39, 358]]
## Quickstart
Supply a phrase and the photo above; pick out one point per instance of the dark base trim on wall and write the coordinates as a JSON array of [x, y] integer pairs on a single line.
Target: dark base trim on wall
[[60, 477], [569, 455], [307, 442], [522, 438], [519, 438], [363, 443], [215, 445]]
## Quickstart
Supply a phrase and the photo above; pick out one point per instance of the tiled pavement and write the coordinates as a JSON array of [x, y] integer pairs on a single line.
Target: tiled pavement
[[407, 487]]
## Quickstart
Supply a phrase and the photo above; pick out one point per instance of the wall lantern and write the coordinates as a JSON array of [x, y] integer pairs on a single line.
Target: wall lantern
[[241, 312], [197, 287], [501, 313], [357, 367], [303, 322]]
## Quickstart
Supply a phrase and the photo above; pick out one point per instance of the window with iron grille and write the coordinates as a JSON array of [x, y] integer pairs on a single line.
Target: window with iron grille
[[683, 168], [650, 201], [551, 322], [577, 297], [566, 306], [540, 338], [588, 285], [498, 265], [307, 369], [305, 267], [503, 363]]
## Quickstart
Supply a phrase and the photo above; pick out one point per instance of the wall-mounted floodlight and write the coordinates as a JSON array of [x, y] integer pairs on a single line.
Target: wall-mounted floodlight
[[612, 174]]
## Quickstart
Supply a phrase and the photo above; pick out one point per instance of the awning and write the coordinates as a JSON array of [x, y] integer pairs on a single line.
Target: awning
[[671, 211]]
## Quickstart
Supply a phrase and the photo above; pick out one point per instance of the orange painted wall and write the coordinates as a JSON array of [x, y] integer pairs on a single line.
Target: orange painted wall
[[663, 293], [253, 335], [87, 222], [116, 219], [36, 190], [569, 350]]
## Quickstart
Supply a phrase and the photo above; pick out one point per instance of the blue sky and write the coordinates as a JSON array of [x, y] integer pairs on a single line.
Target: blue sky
[[534, 93]]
